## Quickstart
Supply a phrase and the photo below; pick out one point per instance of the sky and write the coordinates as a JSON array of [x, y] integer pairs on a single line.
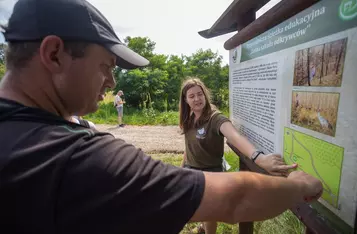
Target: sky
[[172, 24]]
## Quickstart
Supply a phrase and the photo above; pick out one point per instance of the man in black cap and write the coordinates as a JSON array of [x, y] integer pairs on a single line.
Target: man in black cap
[[60, 177]]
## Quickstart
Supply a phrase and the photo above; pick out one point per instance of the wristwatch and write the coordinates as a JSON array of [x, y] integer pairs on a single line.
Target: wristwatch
[[256, 154]]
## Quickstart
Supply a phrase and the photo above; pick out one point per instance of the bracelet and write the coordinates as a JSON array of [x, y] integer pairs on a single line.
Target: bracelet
[[256, 155]]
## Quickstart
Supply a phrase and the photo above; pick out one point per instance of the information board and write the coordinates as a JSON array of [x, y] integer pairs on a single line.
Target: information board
[[293, 90]]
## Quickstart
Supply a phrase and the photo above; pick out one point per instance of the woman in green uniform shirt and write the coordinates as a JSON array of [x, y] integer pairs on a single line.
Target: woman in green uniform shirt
[[205, 127]]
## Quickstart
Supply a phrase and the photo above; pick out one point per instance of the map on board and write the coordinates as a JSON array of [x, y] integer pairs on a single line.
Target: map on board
[[317, 158]]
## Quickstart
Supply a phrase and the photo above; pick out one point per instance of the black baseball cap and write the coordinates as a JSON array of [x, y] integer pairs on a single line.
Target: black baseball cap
[[72, 20]]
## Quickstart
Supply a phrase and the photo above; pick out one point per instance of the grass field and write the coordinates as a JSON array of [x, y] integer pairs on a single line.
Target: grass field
[[286, 223]]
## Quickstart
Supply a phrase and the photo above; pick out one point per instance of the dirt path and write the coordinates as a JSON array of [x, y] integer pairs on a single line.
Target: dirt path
[[151, 139]]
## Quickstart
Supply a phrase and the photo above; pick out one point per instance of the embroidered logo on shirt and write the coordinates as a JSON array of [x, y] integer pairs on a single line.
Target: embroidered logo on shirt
[[201, 133]]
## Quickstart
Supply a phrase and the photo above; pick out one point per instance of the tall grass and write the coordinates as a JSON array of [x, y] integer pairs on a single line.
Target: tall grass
[[308, 118], [286, 223], [107, 114]]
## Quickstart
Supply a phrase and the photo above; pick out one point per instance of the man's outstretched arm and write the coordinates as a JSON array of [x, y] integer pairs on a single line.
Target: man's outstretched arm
[[246, 196]]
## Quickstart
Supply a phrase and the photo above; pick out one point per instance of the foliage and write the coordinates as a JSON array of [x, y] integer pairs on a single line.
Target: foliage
[[2, 60], [158, 85], [2, 70], [107, 114], [2, 53], [207, 66], [141, 45]]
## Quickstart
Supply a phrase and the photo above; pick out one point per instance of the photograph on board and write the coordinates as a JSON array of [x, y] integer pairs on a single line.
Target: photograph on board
[[320, 65], [316, 111]]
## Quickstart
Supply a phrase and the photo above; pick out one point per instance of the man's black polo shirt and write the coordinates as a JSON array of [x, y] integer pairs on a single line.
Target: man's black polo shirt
[[60, 177]]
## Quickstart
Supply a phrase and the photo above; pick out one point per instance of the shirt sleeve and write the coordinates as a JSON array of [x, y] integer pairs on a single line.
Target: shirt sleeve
[[110, 186], [117, 99], [218, 120]]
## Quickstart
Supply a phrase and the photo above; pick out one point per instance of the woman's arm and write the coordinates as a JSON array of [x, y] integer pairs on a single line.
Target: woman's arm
[[272, 163]]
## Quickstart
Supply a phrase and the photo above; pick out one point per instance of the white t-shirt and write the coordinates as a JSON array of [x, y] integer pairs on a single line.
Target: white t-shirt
[[117, 100]]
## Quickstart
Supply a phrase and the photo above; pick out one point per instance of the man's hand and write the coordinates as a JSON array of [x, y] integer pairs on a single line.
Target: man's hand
[[247, 196], [274, 164], [312, 187]]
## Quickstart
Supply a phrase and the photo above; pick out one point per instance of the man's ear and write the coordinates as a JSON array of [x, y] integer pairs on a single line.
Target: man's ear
[[53, 55]]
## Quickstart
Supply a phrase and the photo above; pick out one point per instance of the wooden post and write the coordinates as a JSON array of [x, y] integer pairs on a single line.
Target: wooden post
[[309, 231], [245, 227]]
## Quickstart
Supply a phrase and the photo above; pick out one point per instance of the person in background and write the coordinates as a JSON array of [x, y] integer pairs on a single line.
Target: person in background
[[119, 104], [64, 178], [205, 127]]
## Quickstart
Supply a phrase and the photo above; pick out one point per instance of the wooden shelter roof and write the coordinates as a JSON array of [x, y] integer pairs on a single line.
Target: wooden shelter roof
[[240, 16]]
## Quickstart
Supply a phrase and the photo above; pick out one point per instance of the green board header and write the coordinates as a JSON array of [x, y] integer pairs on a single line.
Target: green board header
[[322, 19]]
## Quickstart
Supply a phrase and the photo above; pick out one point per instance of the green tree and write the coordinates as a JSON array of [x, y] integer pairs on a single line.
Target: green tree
[[207, 65], [158, 61], [158, 85], [144, 87], [132, 82], [2, 70], [2, 52], [176, 70], [2, 59], [141, 45]]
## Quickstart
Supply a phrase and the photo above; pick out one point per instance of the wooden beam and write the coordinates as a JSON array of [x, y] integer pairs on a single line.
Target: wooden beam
[[245, 19], [237, 16], [242, 21], [276, 15]]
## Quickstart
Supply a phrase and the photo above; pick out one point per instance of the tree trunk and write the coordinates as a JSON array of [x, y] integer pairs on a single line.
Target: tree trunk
[[301, 63], [145, 101], [308, 67], [322, 63], [340, 55], [149, 100], [328, 59], [167, 103], [302, 68]]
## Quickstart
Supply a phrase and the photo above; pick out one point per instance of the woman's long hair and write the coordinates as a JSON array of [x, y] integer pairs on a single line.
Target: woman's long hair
[[186, 122]]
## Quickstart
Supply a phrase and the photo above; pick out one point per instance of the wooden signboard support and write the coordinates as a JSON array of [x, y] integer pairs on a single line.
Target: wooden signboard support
[[279, 13]]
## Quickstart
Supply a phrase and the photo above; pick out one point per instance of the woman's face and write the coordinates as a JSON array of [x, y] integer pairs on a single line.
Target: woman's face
[[195, 98]]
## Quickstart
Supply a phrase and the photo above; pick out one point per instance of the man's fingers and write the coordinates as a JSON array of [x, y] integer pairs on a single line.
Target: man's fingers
[[284, 168], [279, 162]]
